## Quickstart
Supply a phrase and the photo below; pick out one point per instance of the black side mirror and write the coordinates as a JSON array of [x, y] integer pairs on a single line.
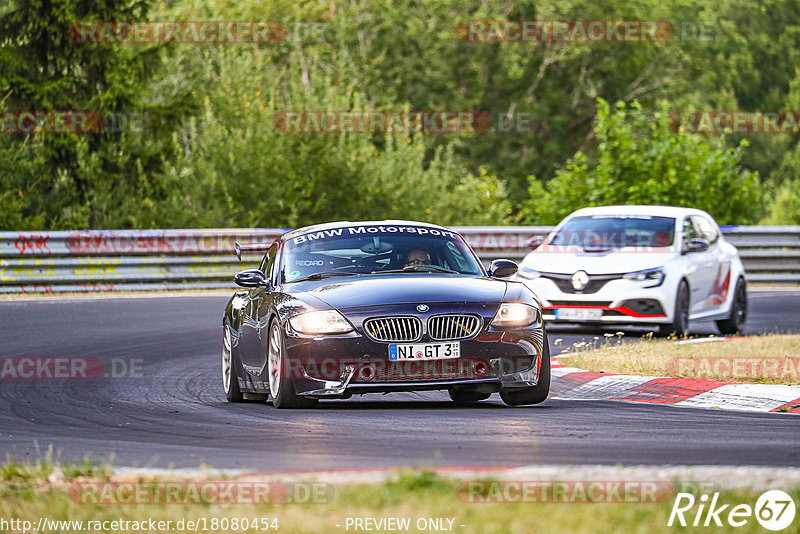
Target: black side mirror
[[502, 268], [534, 242], [696, 245], [250, 278]]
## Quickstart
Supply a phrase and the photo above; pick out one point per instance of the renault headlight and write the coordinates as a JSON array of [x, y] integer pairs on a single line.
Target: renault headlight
[[515, 314], [527, 272], [320, 322], [652, 275]]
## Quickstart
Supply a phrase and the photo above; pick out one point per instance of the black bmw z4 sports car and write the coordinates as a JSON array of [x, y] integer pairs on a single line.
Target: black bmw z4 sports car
[[349, 308]]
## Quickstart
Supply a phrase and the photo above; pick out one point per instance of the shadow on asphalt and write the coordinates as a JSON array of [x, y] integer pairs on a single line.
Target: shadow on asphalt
[[410, 405]]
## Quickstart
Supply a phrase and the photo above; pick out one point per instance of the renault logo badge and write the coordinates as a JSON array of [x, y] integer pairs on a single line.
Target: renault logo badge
[[422, 308], [580, 280]]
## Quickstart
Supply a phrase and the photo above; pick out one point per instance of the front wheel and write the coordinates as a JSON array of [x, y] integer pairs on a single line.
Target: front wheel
[[229, 381], [534, 394], [281, 385], [738, 316], [680, 322]]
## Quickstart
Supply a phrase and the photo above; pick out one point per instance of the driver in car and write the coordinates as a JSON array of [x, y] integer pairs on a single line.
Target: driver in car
[[417, 257]]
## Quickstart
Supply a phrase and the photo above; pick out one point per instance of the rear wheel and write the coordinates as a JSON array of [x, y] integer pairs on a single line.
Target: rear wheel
[[680, 322], [738, 316], [534, 394], [281, 385], [229, 381], [465, 396]]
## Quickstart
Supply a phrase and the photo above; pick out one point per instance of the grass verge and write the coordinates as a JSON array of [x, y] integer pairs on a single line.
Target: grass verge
[[410, 494], [768, 359]]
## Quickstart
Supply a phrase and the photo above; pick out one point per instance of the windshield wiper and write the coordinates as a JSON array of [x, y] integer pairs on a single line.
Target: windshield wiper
[[321, 275], [418, 268]]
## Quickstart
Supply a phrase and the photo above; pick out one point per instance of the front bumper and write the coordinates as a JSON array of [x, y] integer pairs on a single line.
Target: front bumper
[[339, 366], [619, 301]]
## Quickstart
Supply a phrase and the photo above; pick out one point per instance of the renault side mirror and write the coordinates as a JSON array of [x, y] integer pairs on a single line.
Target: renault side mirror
[[534, 242], [696, 245]]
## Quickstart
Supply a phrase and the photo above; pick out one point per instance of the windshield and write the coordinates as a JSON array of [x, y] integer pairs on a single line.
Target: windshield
[[376, 250], [608, 232]]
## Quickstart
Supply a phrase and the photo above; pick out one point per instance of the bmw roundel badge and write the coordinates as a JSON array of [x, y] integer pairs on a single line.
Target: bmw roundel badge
[[423, 308]]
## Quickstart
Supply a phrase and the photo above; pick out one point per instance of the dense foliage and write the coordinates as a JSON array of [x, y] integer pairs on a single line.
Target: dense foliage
[[572, 123], [667, 169]]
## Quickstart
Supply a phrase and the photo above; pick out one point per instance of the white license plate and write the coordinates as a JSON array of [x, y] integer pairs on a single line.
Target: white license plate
[[579, 314], [425, 351]]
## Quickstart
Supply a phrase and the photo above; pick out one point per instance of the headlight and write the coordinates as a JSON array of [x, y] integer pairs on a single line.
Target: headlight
[[515, 314], [320, 322], [527, 272], [653, 275]]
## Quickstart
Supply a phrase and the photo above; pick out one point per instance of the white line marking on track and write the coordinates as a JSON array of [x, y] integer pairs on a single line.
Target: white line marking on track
[[751, 397]]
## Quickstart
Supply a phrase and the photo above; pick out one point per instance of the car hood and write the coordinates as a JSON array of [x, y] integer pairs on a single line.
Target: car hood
[[403, 288], [623, 260]]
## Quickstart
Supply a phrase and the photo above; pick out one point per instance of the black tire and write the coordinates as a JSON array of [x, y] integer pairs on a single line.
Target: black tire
[[734, 324], [534, 394], [466, 396], [230, 384], [282, 390], [680, 322]]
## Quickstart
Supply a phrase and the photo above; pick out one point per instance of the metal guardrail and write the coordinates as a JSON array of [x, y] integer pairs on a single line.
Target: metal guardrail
[[770, 254], [131, 260]]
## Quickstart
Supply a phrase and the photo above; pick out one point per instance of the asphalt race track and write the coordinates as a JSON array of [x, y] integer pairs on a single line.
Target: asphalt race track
[[172, 411], [769, 312]]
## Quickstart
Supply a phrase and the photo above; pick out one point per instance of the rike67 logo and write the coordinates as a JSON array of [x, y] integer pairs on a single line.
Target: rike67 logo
[[774, 510]]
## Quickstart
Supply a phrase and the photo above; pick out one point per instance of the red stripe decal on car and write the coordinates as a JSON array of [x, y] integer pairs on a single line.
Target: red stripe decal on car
[[622, 309]]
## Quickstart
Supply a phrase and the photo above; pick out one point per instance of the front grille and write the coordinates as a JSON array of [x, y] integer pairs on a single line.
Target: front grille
[[395, 329], [448, 327], [596, 282]]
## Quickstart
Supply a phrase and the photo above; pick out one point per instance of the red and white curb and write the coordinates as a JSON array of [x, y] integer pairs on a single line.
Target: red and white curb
[[578, 384]]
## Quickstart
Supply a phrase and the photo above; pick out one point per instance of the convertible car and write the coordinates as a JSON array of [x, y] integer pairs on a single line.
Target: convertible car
[[358, 307]]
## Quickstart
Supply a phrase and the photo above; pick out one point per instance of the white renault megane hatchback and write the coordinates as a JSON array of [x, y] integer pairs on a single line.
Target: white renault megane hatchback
[[643, 265]]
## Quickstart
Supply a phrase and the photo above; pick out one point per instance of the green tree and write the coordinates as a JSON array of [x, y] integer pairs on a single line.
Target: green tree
[[243, 171], [784, 204], [783, 200], [78, 180], [385, 54], [640, 160], [540, 95]]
